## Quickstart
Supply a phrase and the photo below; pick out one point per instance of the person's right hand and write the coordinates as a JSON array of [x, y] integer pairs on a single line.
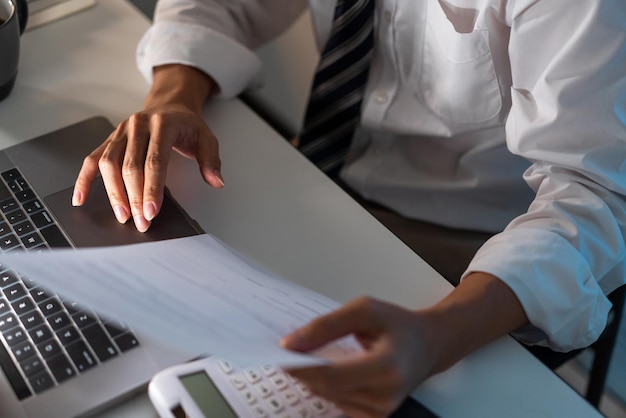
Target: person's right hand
[[133, 160]]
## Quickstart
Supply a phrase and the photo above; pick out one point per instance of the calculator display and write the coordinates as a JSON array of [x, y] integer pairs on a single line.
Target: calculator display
[[206, 395]]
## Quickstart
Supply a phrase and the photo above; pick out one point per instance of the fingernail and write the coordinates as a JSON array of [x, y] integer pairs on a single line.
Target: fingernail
[[141, 223], [219, 178], [149, 210], [77, 198], [121, 214]]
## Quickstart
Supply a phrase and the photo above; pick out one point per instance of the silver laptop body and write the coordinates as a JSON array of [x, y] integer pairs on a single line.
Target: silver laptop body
[[34, 321]]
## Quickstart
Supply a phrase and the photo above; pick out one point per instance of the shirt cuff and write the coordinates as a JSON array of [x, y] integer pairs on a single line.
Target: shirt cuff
[[564, 303], [231, 65]]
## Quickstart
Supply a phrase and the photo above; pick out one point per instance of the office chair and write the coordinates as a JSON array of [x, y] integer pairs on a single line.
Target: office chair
[[604, 347], [602, 350]]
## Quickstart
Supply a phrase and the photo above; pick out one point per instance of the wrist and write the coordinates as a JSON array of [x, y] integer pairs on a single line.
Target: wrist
[[179, 86], [479, 310]]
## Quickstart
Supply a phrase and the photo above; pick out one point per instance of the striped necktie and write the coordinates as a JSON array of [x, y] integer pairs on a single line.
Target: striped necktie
[[334, 106]]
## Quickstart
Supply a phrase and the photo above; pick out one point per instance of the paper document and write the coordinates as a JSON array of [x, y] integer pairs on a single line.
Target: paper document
[[194, 294]]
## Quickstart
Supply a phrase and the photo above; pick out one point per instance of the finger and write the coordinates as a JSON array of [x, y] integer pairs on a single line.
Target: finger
[[87, 174], [209, 162], [155, 171], [346, 375], [109, 164], [205, 150], [138, 135], [350, 318]]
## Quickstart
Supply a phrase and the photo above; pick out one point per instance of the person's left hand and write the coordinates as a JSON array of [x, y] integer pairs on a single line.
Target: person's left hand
[[372, 384]]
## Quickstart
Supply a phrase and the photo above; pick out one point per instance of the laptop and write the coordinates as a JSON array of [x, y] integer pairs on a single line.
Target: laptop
[[59, 359], [42, 12]]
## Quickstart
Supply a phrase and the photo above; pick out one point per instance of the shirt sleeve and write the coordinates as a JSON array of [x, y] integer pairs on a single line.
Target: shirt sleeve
[[215, 36], [568, 117]]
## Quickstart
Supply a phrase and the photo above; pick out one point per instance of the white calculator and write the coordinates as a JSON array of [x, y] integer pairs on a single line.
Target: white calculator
[[213, 387]]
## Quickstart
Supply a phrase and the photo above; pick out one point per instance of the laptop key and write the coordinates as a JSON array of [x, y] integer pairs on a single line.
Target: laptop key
[[11, 174], [49, 349], [15, 216], [39, 294], [32, 207], [61, 368], [31, 319], [42, 219], [4, 305], [68, 335], [126, 341], [4, 229], [31, 240], [8, 205], [23, 228], [99, 342], [50, 306], [7, 278], [59, 321], [23, 350], [7, 321], [14, 292], [8, 242], [40, 334], [81, 356], [41, 382], [15, 335], [25, 195], [23, 305], [32, 366], [83, 319], [53, 236], [13, 374]]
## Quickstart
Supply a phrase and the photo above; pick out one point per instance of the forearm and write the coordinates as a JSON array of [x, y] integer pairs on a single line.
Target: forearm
[[479, 310], [179, 85]]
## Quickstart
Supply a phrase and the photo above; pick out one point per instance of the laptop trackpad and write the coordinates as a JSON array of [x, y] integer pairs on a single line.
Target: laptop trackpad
[[94, 224]]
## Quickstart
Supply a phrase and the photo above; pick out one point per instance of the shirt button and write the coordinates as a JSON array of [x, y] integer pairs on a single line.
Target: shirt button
[[387, 16], [381, 97]]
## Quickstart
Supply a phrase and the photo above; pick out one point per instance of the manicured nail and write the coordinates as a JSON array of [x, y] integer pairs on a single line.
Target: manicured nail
[[141, 223], [219, 177], [121, 214], [77, 198], [149, 210]]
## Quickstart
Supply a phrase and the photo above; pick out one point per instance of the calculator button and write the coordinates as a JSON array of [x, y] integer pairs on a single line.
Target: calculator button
[[269, 369], [279, 382], [303, 390], [249, 397], [238, 382], [260, 411], [225, 365], [304, 412], [290, 397], [252, 375], [319, 406], [275, 404], [263, 389]]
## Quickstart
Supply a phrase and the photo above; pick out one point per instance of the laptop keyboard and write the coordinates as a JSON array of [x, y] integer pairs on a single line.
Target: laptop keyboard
[[44, 339]]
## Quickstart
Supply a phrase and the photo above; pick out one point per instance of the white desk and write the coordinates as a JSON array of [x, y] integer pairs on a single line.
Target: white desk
[[275, 208]]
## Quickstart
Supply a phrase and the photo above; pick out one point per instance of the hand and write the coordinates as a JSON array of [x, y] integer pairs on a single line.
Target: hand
[[402, 348], [395, 358], [133, 160]]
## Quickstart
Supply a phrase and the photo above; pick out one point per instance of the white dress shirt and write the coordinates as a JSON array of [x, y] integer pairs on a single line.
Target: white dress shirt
[[505, 116]]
